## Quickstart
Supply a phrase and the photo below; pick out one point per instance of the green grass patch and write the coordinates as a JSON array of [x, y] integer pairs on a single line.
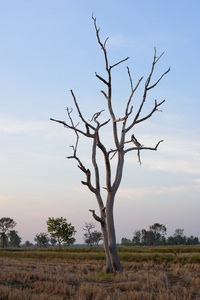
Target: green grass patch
[[102, 276], [167, 254], [53, 255]]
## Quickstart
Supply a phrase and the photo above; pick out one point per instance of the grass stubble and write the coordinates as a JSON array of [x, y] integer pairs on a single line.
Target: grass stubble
[[56, 279]]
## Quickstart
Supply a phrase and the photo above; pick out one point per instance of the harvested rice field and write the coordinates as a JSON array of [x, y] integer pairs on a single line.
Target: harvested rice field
[[56, 279]]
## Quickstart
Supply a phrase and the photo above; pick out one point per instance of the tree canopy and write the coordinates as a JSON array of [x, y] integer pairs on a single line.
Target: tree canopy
[[42, 239], [6, 224], [14, 239], [62, 231]]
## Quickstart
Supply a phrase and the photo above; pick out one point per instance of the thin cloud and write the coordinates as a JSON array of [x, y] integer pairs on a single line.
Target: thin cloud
[[123, 41], [137, 193], [174, 165], [16, 126], [142, 41], [174, 155]]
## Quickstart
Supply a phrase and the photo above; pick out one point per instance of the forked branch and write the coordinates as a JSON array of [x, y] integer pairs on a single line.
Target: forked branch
[[88, 125], [151, 113], [98, 219], [146, 89]]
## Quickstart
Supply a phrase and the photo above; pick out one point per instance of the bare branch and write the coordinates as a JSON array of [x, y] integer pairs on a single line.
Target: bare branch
[[143, 148], [146, 89], [95, 165], [121, 119], [80, 114], [106, 159], [102, 79], [99, 41], [106, 122], [127, 111], [130, 78], [80, 164], [139, 158], [121, 61], [77, 136], [114, 151], [113, 155], [94, 118], [132, 90], [105, 95], [73, 128], [152, 86], [157, 58], [105, 42], [151, 113], [158, 144], [98, 219], [108, 83], [88, 182], [61, 122]]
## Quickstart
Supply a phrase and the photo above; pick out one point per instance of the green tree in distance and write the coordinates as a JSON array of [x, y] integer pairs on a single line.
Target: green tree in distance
[[62, 231], [5, 225], [159, 231], [137, 238], [126, 242], [14, 239], [41, 239], [28, 244]]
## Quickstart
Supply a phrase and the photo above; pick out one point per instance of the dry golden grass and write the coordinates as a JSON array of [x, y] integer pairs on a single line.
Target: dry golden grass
[[36, 279]]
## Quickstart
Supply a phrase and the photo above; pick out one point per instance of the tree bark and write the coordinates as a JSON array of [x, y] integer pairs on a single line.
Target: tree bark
[[4, 240], [116, 264], [109, 267]]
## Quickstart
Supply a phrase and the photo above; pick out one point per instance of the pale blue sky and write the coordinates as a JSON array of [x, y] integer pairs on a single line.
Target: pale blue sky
[[50, 47]]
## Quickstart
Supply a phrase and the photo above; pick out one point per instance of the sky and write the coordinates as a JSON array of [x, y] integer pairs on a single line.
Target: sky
[[48, 48]]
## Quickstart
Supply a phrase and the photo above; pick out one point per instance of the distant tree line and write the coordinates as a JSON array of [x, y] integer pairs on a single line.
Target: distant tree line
[[59, 230], [62, 233], [156, 236]]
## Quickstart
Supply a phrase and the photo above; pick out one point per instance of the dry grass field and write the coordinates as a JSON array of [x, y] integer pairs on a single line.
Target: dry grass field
[[56, 278]]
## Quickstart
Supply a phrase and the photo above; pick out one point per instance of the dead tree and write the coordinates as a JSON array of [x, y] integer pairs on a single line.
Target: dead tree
[[124, 141]]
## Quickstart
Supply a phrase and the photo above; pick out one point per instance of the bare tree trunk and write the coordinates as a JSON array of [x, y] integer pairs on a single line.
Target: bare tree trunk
[[4, 240], [108, 268], [116, 264]]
